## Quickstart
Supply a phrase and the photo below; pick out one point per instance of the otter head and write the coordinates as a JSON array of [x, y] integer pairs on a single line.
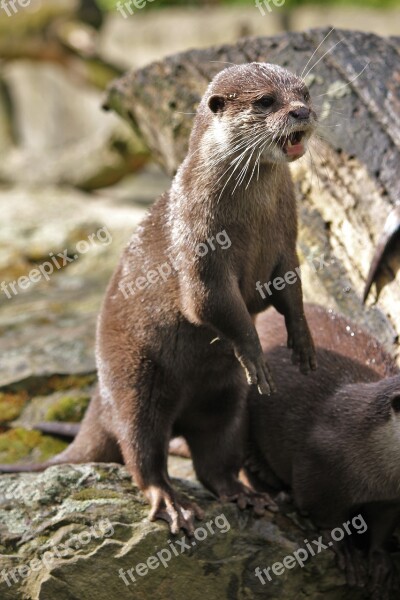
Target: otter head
[[262, 111]]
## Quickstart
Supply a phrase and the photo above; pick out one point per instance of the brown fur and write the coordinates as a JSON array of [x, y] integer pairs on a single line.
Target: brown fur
[[161, 370], [333, 438]]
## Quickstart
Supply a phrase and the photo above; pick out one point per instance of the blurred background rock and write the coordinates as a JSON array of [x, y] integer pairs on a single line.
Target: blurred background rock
[[67, 168]]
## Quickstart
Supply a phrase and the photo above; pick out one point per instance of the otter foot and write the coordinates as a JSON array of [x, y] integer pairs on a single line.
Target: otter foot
[[303, 350], [177, 511], [246, 497], [257, 373], [383, 579], [351, 561]]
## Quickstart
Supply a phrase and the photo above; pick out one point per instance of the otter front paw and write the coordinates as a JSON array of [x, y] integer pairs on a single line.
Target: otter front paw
[[303, 350], [177, 511], [257, 373]]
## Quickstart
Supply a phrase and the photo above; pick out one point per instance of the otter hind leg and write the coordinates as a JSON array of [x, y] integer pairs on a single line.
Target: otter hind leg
[[217, 445], [144, 413]]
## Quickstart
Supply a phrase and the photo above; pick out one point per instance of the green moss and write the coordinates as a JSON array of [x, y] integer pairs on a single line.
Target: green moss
[[57, 383], [42, 386], [95, 494], [68, 408], [19, 444]]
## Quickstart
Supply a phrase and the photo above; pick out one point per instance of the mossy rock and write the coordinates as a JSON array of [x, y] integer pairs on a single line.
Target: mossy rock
[[11, 405], [25, 445], [117, 542], [69, 408], [96, 494]]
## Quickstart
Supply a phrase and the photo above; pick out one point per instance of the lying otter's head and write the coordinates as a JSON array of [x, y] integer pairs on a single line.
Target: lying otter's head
[[261, 109]]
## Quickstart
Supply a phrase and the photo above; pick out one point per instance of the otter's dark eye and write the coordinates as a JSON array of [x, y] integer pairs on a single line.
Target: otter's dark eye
[[307, 96], [395, 400], [265, 102]]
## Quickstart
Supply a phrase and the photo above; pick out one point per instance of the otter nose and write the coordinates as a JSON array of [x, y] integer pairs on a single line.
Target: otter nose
[[300, 114]]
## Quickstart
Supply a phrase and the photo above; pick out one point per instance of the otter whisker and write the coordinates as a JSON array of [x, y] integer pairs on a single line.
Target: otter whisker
[[224, 155], [242, 156], [243, 173], [236, 160], [257, 164], [318, 139], [250, 143], [261, 150], [224, 62], [315, 51], [313, 168], [243, 144], [323, 56], [347, 84], [243, 141]]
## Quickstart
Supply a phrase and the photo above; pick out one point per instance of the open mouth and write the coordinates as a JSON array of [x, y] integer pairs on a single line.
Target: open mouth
[[292, 145]]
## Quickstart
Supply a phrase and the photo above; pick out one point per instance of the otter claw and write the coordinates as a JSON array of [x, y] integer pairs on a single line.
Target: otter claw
[[246, 497], [179, 513], [258, 373]]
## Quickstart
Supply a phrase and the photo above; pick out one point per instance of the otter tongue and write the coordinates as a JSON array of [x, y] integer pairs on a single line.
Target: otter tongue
[[294, 149]]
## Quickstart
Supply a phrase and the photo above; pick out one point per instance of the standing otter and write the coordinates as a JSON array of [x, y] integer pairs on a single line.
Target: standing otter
[[334, 438], [172, 354]]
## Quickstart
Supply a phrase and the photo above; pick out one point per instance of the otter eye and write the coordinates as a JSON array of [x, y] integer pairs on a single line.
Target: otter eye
[[307, 96], [265, 102], [395, 400]]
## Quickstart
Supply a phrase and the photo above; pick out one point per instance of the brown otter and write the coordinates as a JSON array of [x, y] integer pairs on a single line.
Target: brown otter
[[333, 438], [176, 335]]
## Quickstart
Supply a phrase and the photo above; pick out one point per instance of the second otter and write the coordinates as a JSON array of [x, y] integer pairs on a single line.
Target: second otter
[[333, 439]]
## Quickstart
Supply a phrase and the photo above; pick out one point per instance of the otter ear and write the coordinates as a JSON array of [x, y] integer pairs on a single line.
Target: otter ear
[[395, 402], [216, 103]]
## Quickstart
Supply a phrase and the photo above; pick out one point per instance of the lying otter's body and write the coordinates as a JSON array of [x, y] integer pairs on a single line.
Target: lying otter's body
[[173, 350], [333, 438]]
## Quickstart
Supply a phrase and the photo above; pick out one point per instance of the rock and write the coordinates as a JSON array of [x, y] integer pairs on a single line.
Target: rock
[[49, 327], [63, 135], [11, 405], [146, 36], [86, 526], [34, 17], [18, 445]]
